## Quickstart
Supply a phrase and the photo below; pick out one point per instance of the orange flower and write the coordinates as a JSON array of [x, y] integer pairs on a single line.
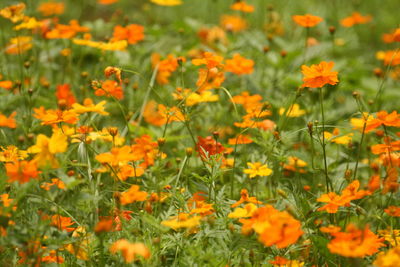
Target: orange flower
[[21, 171], [54, 182], [233, 23], [307, 20], [62, 223], [51, 8], [355, 243], [130, 251], [209, 79], [212, 35], [62, 31], [392, 37], [245, 198], [8, 122], [51, 116], [65, 96], [242, 6], [158, 114], [319, 75], [133, 33], [351, 192], [374, 183], [107, 2], [145, 149], [133, 194], [6, 84], [117, 156], [274, 227], [239, 65], [209, 59], [393, 211], [108, 88], [19, 45], [248, 101], [240, 140], [165, 67], [334, 202], [330, 229], [355, 18], [183, 220]]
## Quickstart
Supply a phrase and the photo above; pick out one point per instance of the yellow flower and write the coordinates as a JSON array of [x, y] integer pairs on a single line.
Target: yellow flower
[[12, 153], [182, 221], [19, 45], [167, 2], [247, 211], [29, 23], [257, 169], [110, 46], [389, 259], [335, 138], [14, 13], [293, 111], [81, 246], [46, 148], [88, 106]]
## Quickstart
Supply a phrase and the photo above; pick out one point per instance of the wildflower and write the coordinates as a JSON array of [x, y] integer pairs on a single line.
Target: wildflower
[[392, 236], [113, 70], [130, 251], [233, 23], [240, 140], [21, 171], [19, 45], [62, 223], [117, 156], [208, 146], [355, 243], [89, 106], [8, 122], [66, 31], [393, 211], [334, 202], [257, 169], [274, 227], [109, 88], [319, 75], [81, 246], [247, 211], [330, 229], [145, 149], [245, 198], [165, 67], [209, 59], [355, 18], [307, 20], [54, 182], [335, 138], [12, 153], [209, 79], [6, 84], [391, 258], [239, 65], [248, 101], [29, 23], [132, 33], [293, 111], [212, 35], [109, 46], [158, 114], [242, 6], [133, 194], [65, 95], [14, 13], [51, 116], [295, 165], [167, 2], [107, 2], [51, 8], [183, 220]]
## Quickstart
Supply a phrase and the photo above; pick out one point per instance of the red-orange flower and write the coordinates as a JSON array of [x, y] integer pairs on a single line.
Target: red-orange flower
[[355, 243], [108, 88], [307, 20], [208, 146], [64, 95], [62, 223], [319, 75]]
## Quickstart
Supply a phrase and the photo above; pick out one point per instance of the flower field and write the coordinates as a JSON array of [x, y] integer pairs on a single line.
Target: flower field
[[199, 133]]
